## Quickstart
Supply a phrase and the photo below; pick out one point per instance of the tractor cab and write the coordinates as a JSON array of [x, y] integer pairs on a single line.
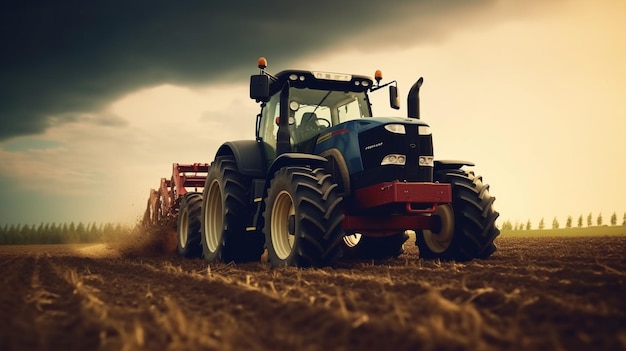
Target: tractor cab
[[311, 102]]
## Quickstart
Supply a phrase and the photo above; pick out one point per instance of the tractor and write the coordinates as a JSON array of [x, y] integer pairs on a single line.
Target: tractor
[[324, 178]]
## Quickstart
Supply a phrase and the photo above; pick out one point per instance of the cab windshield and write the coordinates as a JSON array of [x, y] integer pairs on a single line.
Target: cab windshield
[[332, 106], [310, 112]]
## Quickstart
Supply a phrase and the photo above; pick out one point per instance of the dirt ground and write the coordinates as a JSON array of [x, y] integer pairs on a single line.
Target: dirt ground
[[533, 294]]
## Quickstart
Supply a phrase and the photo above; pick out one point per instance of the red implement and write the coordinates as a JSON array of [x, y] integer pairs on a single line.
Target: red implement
[[163, 203]]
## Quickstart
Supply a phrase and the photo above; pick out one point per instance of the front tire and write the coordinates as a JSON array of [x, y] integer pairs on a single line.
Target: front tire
[[303, 218], [225, 212], [467, 226], [189, 226]]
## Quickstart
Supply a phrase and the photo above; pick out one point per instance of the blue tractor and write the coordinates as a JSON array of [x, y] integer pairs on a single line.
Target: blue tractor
[[325, 179]]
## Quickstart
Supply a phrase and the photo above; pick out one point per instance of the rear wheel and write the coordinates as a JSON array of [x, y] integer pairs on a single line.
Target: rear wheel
[[225, 212], [189, 225], [467, 226], [303, 218]]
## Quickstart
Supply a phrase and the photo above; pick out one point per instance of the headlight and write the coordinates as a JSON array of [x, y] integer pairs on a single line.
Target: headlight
[[393, 159], [396, 128], [426, 161], [423, 130]]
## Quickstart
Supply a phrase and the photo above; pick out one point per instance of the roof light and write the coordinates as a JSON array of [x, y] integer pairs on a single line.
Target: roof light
[[378, 75], [332, 76], [262, 62]]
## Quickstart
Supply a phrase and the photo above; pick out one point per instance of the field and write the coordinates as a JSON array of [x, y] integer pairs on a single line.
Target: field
[[535, 293]]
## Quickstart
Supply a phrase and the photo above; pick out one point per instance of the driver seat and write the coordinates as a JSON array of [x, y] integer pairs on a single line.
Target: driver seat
[[307, 130]]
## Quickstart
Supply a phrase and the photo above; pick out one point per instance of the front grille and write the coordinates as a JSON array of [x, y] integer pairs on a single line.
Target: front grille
[[376, 143]]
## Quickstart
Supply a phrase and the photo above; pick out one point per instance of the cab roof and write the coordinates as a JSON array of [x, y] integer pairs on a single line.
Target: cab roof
[[320, 81]]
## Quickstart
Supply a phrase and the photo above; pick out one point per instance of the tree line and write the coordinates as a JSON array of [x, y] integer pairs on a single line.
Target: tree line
[[569, 223], [52, 233]]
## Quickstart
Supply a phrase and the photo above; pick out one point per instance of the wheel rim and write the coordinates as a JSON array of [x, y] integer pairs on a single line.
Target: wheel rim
[[352, 240], [213, 216], [439, 241], [282, 238], [183, 227]]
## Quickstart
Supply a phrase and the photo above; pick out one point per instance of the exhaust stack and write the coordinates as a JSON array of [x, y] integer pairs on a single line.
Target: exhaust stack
[[413, 100]]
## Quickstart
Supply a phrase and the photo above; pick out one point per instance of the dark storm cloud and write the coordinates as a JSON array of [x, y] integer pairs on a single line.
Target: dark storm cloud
[[63, 58]]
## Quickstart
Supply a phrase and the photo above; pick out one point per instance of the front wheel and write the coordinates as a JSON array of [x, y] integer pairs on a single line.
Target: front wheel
[[467, 227], [303, 218]]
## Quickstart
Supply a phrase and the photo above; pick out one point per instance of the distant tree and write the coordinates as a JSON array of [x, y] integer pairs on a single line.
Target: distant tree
[[508, 225], [12, 234], [614, 219], [589, 220], [3, 234], [624, 220], [580, 221], [81, 233], [555, 223], [528, 225], [568, 223], [55, 232], [599, 220], [41, 230], [94, 233], [541, 224]]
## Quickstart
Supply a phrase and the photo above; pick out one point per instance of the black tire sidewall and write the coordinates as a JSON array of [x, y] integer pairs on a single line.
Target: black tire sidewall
[[474, 219], [191, 203]]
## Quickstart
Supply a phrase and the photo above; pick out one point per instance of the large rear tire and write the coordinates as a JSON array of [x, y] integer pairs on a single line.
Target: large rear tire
[[468, 225], [225, 213], [188, 227], [303, 215]]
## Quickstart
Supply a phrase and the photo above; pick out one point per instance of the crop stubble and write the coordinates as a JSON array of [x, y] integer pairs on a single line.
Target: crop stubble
[[534, 293]]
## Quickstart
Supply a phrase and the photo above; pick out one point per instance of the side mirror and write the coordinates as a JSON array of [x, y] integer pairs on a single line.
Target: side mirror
[[260, 87], [394, 101]]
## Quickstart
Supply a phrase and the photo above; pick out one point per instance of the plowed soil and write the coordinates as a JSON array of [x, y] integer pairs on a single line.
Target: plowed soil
[[533, 294]]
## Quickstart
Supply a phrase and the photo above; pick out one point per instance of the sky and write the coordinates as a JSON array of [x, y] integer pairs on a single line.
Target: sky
[[98, 99]]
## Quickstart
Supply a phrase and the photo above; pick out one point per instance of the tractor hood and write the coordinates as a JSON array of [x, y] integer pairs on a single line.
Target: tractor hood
[[370, 145], [364, 124]]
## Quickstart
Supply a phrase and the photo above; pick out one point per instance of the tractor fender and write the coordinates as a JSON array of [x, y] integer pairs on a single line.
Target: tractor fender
[[293, 159], [248, 154], [296, 159], [338, 167], [451, 164]]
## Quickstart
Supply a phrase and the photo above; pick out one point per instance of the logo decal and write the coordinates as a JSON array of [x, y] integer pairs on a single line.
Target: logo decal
[[373, 146]]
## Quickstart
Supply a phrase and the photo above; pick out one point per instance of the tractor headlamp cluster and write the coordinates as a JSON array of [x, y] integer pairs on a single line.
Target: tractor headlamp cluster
[[423, 130], [426, 161], [400, 160], [394, 159]]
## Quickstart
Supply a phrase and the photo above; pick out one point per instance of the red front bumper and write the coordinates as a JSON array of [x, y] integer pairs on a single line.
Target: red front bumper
[[403, 192], [419, 199]]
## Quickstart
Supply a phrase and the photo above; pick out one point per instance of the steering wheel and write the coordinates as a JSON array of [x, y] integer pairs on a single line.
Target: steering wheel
[[327, 122]]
